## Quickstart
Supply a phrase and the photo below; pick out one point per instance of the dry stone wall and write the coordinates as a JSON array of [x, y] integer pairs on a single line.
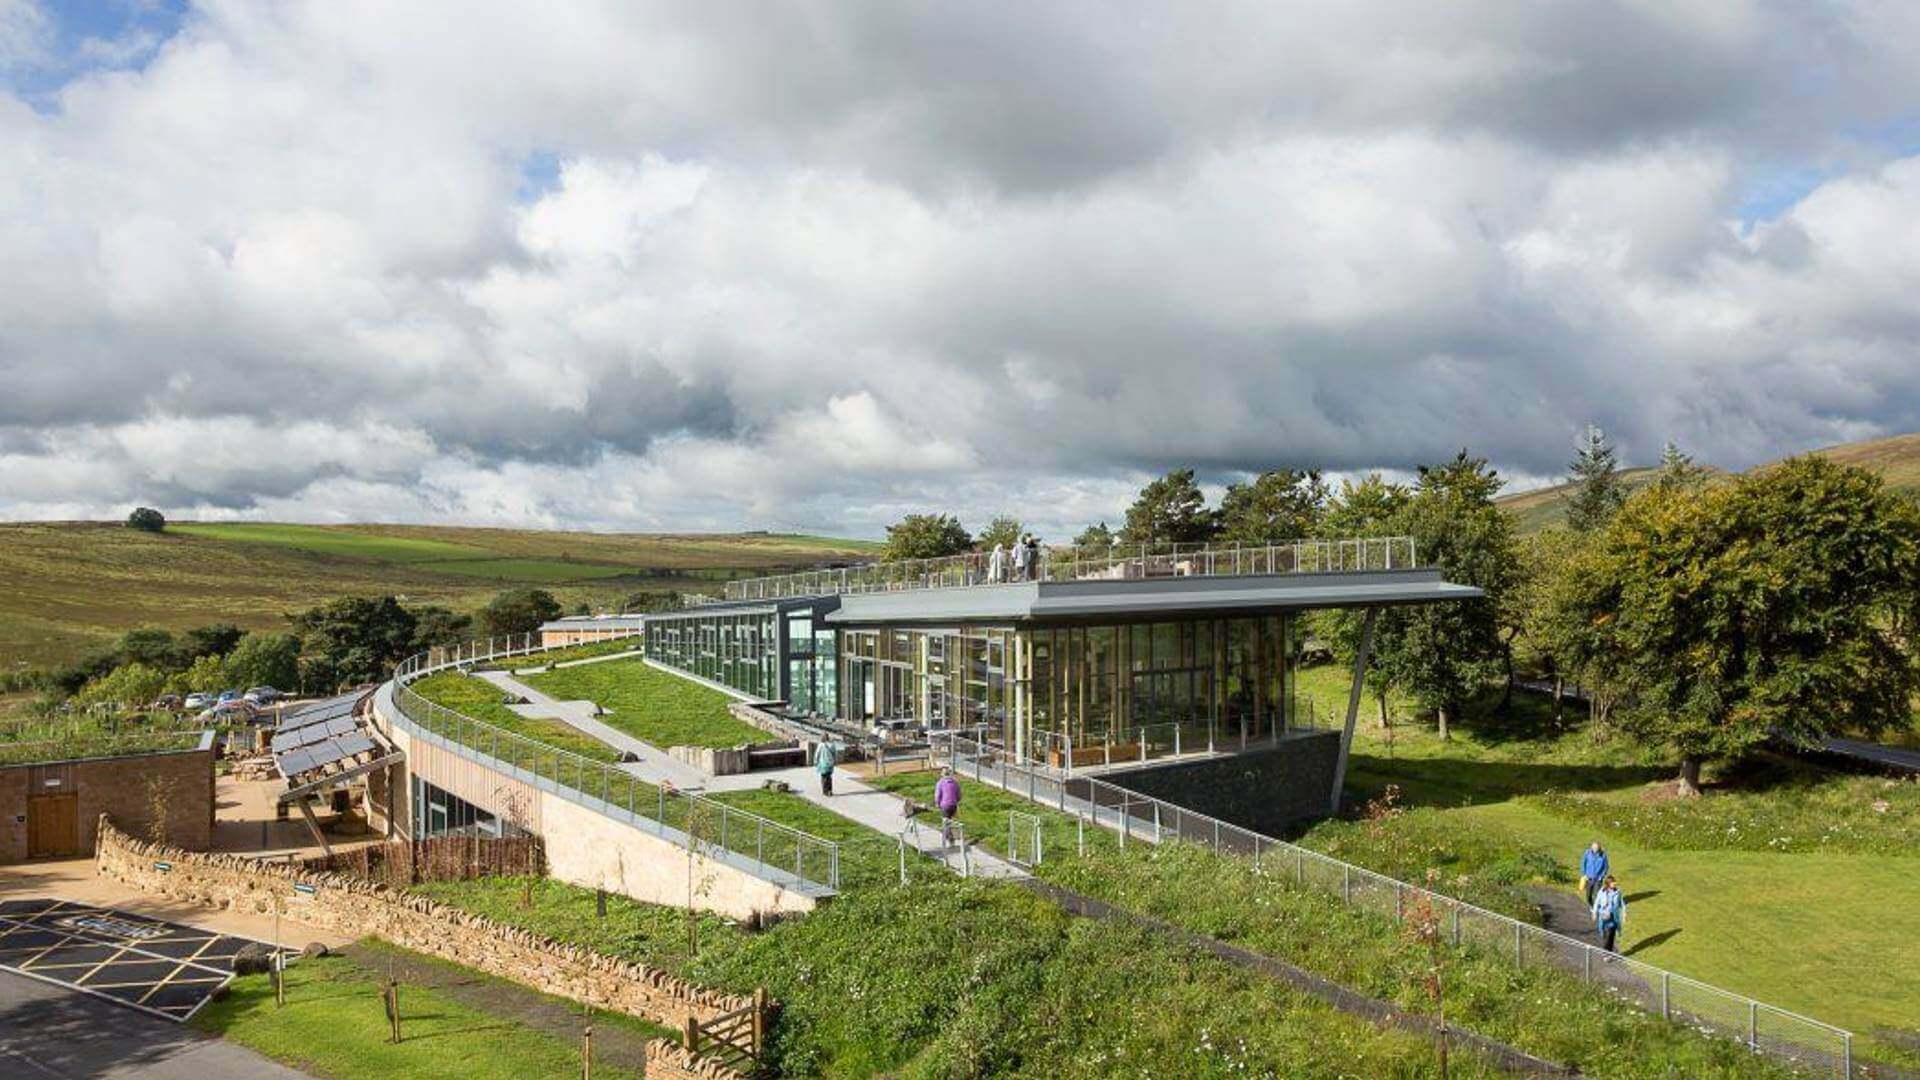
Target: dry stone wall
[[669, 1060], [351, 906]]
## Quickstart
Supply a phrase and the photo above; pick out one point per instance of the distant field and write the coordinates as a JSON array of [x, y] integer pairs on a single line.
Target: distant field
[[1896, 458], [71, 586]]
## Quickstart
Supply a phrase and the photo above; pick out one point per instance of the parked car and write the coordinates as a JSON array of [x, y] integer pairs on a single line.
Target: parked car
[[264, 695], [229, 695], [198, 701]]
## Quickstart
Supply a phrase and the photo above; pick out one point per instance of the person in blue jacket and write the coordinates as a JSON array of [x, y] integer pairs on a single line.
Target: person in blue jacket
[[1593, 870], [824, 759], [1609, 913]]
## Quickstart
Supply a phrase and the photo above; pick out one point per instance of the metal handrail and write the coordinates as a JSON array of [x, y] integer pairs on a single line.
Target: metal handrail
[[1119, 561], [1111, 806], [579, 778]]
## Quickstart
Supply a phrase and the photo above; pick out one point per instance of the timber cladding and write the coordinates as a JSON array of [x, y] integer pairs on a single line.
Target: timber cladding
[[48, 810], [350, 906]]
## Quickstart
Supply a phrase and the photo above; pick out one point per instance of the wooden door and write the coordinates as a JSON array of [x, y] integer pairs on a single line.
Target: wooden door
[[53, 825]]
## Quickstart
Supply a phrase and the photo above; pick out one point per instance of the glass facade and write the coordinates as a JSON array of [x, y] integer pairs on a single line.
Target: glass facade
[[1079, 690], [736, 649], [773, 652], [438, 813]]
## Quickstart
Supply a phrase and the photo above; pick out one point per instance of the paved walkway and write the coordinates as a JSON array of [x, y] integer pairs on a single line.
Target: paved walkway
[[880, 811], [655, 765], [53, 1031]]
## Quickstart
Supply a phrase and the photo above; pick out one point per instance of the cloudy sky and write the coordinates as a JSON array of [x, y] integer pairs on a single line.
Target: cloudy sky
[[812, 265]]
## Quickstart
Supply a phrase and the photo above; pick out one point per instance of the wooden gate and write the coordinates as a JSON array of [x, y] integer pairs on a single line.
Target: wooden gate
[[53, 825]]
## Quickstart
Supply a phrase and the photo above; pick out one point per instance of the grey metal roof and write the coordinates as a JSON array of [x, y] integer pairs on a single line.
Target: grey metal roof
[[596, 622], [1129, 600], [749, 607]]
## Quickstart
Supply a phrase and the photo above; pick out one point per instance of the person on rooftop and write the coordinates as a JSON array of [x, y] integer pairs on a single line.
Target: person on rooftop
[[824, 759], [997, 564], [1020, 559], [946, 798]]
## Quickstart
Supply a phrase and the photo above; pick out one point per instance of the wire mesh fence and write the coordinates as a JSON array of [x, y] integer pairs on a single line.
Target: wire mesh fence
[[1134, 818], [694, 821]]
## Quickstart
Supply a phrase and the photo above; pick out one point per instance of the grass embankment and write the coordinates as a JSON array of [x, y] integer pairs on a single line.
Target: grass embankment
[[955, 978], [650, 704], [1786, 881], [541, 660], [334, 1025], [484, 701], [1259, 907]]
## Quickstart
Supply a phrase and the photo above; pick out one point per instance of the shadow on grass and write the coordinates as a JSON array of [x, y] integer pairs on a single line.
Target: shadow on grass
[[1643, 944], [1455, 782], [1634, 898]]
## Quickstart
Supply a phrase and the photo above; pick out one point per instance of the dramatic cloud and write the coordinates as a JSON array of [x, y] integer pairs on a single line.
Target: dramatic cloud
[[815, 265]]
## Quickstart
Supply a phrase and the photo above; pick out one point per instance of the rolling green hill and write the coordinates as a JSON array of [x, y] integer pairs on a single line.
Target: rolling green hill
[[1896, 458], [66, 587]]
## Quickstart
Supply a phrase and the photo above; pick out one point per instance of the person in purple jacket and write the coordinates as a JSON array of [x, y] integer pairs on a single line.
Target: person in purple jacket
[[946, 797]]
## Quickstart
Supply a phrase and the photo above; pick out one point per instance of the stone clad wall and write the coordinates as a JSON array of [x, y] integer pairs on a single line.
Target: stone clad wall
[[351, 906], [668, 1060], [1264, 791]]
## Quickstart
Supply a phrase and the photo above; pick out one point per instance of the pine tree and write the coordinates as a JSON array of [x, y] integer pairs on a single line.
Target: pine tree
[[1677, 469], [1597, 491]]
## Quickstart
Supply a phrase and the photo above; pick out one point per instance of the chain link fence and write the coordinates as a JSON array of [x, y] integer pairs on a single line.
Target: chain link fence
[[1135, 818]]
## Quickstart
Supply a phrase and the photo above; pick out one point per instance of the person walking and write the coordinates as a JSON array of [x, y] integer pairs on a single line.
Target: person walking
[[1593, 871], [1020, 559], [1609, 913], [823, 761], [946, 798], [997, 564], [1033, 557]]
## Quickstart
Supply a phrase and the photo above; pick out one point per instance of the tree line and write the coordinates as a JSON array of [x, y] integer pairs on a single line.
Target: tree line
[[1700, 612]]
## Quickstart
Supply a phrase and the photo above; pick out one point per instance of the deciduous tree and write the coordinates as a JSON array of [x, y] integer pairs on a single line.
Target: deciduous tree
[[1001, 530], [1777, 605], [1171, 509], [518, 611], [926, 536], [1276, 506]]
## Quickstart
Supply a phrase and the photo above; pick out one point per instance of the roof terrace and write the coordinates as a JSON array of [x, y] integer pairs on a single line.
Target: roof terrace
[[1121, 562]]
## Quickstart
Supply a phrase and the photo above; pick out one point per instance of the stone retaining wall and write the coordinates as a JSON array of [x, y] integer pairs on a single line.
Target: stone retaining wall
[[1263, 790], [351, 906], [668, 1060]]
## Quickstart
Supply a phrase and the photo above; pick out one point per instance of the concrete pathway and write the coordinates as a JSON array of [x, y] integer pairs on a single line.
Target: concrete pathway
[[655, 765], [880, 811]]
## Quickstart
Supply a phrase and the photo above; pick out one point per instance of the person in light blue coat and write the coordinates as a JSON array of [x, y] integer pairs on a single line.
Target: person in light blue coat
[[1593, 870], [823, 760], [1609, 913]]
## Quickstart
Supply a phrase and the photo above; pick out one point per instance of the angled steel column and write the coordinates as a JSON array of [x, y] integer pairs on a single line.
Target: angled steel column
[[1360, 658]]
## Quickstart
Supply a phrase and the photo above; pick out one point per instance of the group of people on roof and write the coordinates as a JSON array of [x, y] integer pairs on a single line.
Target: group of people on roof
[[1021, 563]]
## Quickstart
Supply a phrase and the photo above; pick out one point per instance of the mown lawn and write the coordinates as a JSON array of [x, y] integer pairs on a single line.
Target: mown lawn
[[334, 1025], [484, 701], [650, 704], [1786, 882]]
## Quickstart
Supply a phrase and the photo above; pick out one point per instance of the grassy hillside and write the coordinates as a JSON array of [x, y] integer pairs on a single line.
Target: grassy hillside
[[1896, 458], [66, 587]]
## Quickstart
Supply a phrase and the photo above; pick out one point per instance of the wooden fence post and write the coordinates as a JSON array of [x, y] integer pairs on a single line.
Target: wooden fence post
[[759, 1020]]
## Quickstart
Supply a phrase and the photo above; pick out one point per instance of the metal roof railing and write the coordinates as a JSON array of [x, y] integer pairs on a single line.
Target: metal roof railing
[[1068, 563], [713, 828]]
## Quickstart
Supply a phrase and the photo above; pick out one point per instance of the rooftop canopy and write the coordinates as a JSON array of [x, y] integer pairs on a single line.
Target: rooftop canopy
[[1161, 597]]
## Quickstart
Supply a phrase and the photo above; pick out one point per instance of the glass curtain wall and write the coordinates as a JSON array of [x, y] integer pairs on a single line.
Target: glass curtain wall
[[740, 650], [1099, 692]]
